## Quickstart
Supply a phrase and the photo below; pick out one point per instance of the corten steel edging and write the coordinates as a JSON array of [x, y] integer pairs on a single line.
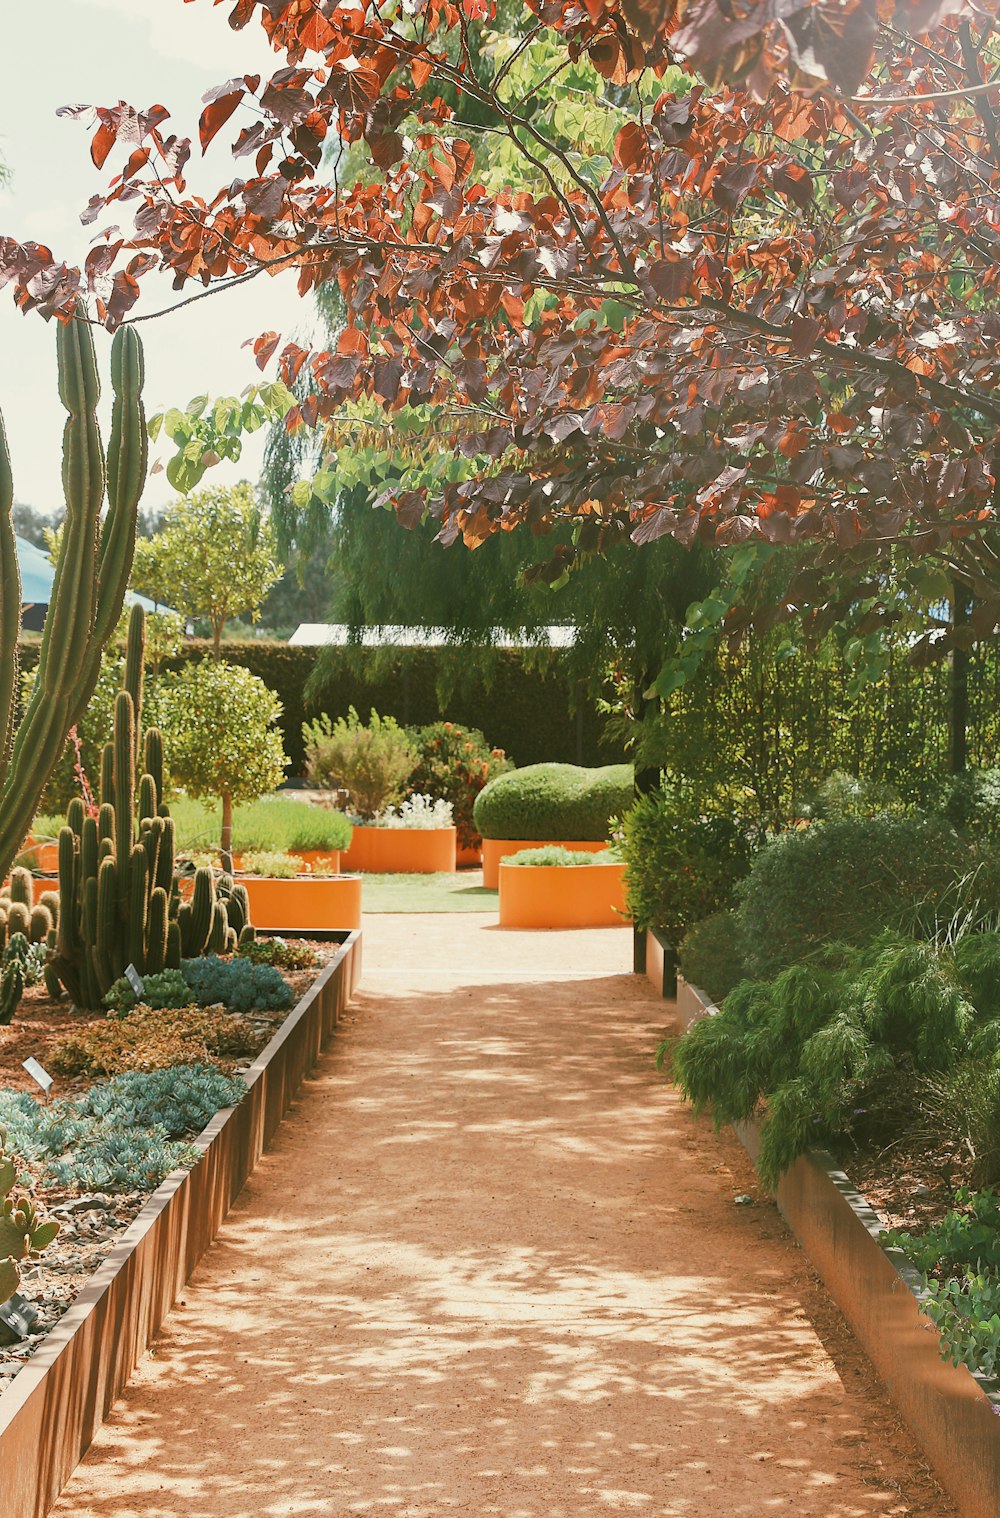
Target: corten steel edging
[[55, 1405], [953, 1413]]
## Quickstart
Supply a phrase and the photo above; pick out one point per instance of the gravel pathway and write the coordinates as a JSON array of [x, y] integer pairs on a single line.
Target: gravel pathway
[[494, 1268]]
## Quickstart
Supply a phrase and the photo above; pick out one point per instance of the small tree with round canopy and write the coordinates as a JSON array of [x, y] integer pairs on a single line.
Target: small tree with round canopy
[[220, 736]]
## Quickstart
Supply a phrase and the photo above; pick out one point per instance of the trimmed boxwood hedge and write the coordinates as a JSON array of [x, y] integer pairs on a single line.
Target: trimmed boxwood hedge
[[527, 711], [555, 801]]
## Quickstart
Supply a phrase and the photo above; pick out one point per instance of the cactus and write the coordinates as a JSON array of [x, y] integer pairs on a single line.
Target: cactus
[[20, 886], [23, 1231], [174, 956], [112, 868], [50, 899], [91, 571], [195, 917], [18, 919], [11, 991], [247, 936], [40, 924]]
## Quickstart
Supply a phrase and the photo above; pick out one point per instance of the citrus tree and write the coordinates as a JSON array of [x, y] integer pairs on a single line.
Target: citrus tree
[[214, 557], [220, 736]]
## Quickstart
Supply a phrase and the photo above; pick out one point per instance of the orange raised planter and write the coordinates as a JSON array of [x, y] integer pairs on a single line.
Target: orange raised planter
[[494, 849], [562, 896], [401, 851], [304, 902]]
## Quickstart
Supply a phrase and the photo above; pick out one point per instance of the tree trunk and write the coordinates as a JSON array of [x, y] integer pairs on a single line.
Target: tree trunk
[[227, 832], [217, 639]]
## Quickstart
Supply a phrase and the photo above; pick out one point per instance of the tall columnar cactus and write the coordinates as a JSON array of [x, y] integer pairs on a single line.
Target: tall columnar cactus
[[91, 572], [116, 871]]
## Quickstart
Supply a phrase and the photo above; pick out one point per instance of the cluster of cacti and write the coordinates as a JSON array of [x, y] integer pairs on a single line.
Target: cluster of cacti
[[91, 574], [21, 924], [119, 903], [116, 870], [22, 1230]]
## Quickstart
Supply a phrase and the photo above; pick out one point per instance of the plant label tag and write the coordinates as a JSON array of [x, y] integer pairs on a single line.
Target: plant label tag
[[37, 1073], [18, 1315], [134, 979]]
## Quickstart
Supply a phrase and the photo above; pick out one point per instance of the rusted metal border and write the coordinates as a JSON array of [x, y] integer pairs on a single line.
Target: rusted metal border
[[953, 1413], [55, 1405]]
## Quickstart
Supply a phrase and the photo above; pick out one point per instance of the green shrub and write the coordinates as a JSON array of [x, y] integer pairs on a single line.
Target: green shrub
[[237, 984], [848, 879], [553, 854], [454, 764], [372, 764], [828, 1049], [277, 823], [959, 1260], [712, 955], [842, 795], [971, 802], [554, 802], [280, 953], [168, 989], [681, 864], [274, 866]]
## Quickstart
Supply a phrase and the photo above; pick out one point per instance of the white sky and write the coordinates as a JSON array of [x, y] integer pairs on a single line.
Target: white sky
[[143, 51]]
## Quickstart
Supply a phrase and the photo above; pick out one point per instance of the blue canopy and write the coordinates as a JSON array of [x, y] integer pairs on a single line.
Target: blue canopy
[[37, 575]]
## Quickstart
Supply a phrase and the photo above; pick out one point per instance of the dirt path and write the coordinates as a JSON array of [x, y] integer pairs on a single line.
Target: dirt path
[[493, 1267]]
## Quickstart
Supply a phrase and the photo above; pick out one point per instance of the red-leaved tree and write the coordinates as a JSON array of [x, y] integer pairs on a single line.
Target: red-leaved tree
[[772, 313]]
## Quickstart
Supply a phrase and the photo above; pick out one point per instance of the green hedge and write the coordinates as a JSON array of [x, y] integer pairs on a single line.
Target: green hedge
[[527, 711], [554, 801]]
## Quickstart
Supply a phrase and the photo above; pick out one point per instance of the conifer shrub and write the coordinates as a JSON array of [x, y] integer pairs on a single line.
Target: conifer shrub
[[554, 802], [855, 1042], [848, 879]]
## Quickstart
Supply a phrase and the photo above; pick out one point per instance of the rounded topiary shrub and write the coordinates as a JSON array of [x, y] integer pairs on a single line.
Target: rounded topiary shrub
[[846, 880], [554, 801]]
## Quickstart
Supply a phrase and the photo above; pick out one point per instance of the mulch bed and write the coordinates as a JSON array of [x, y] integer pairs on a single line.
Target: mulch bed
[[91, 1223]]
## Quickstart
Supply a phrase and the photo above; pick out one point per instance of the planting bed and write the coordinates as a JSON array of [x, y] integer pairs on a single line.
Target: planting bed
[[838, 1206], [121, 1257]]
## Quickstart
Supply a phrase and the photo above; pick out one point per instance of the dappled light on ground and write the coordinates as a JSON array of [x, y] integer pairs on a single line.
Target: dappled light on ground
[[492, 1267]]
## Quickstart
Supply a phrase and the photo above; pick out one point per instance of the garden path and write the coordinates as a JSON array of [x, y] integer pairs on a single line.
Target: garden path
[[493, 1267]]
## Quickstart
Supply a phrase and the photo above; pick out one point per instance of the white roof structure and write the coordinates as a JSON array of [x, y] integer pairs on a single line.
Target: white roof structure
[[338, 635]]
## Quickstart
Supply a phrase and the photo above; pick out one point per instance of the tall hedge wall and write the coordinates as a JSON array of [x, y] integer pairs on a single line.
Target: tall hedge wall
[[525, 711]]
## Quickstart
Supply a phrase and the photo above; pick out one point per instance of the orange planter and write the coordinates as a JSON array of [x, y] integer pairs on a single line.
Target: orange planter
[[401, 851], [307, 901], [562, 896], [42, 857], [318, 861], [469, 859], [42, 883], [494, 850]]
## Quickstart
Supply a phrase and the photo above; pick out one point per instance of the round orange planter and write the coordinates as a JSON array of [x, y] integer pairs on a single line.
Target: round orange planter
[[494, 850], [562, 896], [42, 883], [318, 861], [43, 857], [469, 859], [401, 851], [307, 901]]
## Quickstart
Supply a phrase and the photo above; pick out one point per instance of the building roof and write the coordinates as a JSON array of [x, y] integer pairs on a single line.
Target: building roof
[[37, 574], [339, 634]]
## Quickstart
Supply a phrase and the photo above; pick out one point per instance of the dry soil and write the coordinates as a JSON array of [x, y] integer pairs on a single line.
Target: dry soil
[[494, 1267]]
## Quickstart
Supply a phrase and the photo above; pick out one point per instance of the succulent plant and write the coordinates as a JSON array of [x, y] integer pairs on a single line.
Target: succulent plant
[[23, 1231]]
